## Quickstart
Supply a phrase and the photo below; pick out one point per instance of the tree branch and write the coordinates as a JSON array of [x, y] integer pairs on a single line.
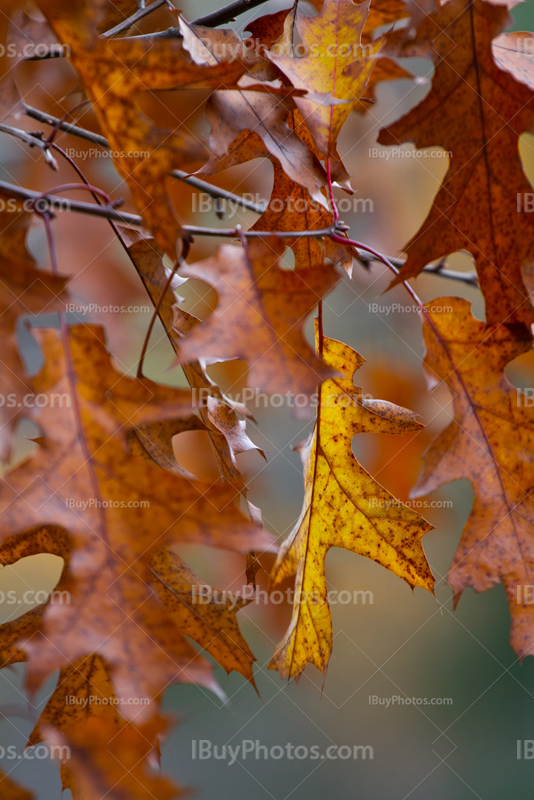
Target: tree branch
[[227, 14], [101, 141], [439, 269], [220, 17], [143, 11], [32, 141], [53, 202], [107, 212]]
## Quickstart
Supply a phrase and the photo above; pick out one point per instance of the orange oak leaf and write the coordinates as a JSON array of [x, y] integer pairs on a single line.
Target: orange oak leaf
[[12, 791], [114, 72], [118, 510], [260, 317], [476, 111], [23, 290], [218, 413], [489, 442], [206, 615], [291, 208], [117, 765]]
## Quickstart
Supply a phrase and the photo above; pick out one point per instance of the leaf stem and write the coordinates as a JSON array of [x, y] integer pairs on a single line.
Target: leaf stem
[[186, 244]]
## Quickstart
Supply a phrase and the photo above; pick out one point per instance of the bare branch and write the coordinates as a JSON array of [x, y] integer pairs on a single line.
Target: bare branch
[[227, 14], [439, 269], [107, 212], [142, 11], [101, 141], [33, 141]]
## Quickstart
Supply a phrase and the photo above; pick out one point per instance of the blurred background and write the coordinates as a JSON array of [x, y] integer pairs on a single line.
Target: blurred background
[[392, 642]]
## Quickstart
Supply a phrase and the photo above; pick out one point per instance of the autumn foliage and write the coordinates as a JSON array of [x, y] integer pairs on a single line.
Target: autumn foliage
[[133, 626]]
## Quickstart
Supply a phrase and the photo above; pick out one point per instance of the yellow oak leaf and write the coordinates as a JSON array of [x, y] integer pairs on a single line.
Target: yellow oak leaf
[[343, 507], [334, 63]]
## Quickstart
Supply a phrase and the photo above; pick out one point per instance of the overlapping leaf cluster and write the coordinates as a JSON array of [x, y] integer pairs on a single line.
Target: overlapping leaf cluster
[[103, 488]]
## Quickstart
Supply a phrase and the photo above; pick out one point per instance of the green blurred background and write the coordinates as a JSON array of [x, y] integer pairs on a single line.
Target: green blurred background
[[401, 644]]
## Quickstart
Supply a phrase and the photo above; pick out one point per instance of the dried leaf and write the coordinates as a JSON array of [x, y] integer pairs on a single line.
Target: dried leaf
[[292, 209], [260, 317], [204, 614], [489, 442], [118, 510], [343, 507], [336, 64], [219, 415], [115, 765], [114, 72], [23, 290], [12, 791], [476, 111]]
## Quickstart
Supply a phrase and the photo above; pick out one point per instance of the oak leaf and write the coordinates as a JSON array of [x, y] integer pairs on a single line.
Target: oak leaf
[[218, 413], [343, 507], [335, 63], [291, 208], [260, 316], [12, 791], [476, 111], [114, 72], [23, 290], [117, 765], [489, 442], [127, 509], [204, 614]]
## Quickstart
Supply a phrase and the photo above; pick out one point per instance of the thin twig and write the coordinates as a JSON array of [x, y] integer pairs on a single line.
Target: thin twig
[[52, 202], [186, 245], [101, 141], [107, 212], [33, 140], [439, 269], [227, 14], [221, 17], [67, 127], [366, 256], [143, 11]]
